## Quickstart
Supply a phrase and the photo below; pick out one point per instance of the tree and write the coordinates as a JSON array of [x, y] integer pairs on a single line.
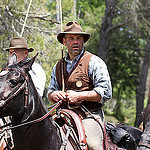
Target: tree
[[141, 87], [106, 29]]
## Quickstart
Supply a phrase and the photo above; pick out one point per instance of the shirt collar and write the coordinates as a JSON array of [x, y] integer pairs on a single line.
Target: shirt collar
[[76, 58]]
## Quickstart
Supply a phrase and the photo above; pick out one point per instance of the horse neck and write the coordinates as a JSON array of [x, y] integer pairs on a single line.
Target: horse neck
[[35, 132], [35, 107]]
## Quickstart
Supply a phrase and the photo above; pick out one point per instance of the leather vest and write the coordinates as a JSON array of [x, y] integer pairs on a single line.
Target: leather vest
[[78, 79]]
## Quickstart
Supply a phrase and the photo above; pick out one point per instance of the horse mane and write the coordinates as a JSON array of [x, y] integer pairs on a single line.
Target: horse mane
[[146, 115]]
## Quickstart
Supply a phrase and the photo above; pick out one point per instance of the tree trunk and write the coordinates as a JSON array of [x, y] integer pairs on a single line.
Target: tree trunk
[[117, 110], [105, 32], [141, 87]]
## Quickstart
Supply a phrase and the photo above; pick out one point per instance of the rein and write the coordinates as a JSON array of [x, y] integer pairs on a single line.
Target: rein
[[144, 144], [12, 96], [36, 120], [24, 86]]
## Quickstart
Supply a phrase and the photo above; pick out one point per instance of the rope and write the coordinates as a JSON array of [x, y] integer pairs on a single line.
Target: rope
[[60, 16], [25, 19], [63, 82]]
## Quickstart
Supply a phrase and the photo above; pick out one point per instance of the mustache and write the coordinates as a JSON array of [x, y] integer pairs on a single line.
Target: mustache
[[75, 45]]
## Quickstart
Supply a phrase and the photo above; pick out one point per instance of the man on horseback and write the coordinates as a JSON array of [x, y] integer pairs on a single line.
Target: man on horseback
[[87, 83], [18, 45]]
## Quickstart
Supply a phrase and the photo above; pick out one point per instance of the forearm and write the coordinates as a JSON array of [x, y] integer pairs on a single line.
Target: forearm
[[91, 96], [74, 97]]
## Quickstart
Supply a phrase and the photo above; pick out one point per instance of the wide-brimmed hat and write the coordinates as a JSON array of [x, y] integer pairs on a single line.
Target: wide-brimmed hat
[[72, 27], [19, 43]]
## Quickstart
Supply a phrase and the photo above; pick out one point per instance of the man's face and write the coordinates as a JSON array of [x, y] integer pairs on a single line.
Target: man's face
[[74, 44], [21, 53]]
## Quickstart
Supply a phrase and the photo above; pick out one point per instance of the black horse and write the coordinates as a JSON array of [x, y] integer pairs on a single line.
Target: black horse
[[32, 125], [20, 100]]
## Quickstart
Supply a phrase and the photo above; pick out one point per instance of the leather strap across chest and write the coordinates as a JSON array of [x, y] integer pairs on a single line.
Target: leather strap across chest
[[73, 68]]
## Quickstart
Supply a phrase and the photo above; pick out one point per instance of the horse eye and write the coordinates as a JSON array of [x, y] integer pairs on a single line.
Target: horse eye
[[13, 82]]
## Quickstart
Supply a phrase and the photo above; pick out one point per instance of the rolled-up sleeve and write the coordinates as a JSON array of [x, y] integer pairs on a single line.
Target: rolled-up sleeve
[[99, 74]]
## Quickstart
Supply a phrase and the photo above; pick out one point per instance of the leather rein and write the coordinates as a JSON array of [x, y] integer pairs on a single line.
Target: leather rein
[[144, 144], [25, 86]]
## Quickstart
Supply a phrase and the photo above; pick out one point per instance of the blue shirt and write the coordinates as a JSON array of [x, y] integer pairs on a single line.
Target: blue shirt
[[98, 73]]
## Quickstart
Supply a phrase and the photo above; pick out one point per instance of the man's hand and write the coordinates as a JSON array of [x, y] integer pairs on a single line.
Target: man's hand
[[73, 97], [58, 95]]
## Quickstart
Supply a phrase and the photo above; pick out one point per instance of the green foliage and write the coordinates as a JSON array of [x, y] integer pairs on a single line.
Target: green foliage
[[90, 14], [125, 55]]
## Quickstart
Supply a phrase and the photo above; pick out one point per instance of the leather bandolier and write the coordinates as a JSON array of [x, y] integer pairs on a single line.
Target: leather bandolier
[[77, 80]]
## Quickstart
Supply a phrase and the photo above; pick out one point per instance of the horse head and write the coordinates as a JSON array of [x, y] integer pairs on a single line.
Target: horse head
[[14, 81], [145, 137]]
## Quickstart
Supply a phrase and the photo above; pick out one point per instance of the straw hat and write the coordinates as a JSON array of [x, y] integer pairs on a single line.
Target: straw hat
[[18, 42], [72, 27]]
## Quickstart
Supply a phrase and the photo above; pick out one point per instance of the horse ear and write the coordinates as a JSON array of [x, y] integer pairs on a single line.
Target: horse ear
[[12, 60], [28, 64]]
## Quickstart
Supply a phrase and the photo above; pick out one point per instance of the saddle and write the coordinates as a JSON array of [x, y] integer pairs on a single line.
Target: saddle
[[118, 137], [69, 120]]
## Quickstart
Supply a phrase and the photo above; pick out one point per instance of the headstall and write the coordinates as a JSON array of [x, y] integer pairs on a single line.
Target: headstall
[[23, 86]]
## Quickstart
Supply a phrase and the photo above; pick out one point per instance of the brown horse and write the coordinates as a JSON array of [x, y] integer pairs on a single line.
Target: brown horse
[[20, 100], [145, 137]]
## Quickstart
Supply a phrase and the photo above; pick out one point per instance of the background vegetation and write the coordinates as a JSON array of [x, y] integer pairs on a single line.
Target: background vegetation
[[120, 35]]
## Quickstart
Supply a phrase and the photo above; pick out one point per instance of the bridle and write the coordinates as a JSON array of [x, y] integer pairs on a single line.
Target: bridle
[[25, 86]]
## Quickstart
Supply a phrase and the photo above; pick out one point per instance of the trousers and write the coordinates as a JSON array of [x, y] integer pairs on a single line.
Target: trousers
[[93, 131]]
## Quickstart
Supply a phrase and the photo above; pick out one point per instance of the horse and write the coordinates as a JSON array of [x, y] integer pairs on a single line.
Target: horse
[[144, 143], [26, 106], [20, 100]]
